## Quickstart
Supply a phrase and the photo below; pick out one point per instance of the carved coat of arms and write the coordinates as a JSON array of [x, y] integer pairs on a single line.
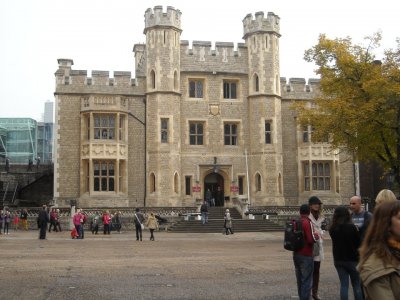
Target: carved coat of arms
[[214, 109]]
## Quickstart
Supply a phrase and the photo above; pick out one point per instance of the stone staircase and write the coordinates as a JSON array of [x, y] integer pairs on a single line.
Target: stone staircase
[[216, 222]]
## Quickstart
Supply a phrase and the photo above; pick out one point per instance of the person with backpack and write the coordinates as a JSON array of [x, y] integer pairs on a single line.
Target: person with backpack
[[360, 217], [303, 257]]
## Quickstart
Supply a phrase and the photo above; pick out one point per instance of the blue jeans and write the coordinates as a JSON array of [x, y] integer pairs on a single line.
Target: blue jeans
[[79, 230], [344, 270], [304, 266], [204, 217]]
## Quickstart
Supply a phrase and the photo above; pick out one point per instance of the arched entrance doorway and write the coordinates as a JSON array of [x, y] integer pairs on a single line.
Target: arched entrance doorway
[[215, 182]]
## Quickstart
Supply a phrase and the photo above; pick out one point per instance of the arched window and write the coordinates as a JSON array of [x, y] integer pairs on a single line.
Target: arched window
[[153, 79], [176, 183], [152, 183], [258, 182], [256, 83]]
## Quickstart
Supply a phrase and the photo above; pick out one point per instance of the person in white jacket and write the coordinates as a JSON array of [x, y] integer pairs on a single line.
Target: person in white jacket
[[319, 222]]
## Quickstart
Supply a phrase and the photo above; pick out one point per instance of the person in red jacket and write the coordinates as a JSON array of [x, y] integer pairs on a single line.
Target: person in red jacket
[[106, 222], [303, 258]]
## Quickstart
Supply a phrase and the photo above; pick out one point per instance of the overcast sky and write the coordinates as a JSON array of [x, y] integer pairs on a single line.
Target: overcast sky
[[99, 35]]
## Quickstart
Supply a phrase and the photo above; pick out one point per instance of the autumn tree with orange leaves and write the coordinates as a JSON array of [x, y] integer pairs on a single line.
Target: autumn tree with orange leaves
[[359, 101]]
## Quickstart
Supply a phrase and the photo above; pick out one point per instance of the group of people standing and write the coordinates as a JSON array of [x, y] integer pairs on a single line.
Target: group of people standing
[[114, 222], [365, 248], [108, 220], [17, 218]]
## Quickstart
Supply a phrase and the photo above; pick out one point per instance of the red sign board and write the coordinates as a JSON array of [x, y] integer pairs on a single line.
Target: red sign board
[[234, 188], [196, 189]]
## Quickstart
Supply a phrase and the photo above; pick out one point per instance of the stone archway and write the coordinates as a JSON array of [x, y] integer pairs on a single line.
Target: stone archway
[[215, 182]]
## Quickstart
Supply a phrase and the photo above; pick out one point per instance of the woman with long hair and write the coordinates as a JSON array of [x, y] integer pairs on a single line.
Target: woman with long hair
[[152, 224], [380, 254], [345, 243]]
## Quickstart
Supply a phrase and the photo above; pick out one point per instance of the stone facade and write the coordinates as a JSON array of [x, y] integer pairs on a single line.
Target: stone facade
[[192, 119]]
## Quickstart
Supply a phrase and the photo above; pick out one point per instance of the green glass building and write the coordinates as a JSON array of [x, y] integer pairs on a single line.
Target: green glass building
[[18, 139]]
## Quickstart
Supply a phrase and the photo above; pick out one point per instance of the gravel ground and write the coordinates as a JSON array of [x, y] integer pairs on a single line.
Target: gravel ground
[[175, 266]]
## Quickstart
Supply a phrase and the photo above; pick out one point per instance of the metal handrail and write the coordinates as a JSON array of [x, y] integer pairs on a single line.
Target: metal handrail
[[15, 191], [5, 192]]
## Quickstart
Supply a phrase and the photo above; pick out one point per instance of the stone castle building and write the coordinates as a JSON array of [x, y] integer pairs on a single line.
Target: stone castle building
[[193, 118]]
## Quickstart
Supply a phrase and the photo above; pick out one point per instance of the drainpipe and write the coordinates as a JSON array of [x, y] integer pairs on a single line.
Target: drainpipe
[[248, 178]]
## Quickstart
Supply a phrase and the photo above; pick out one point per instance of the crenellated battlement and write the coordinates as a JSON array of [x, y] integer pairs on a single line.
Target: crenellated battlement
[[299, 89], [204, 48], [156, 17], [66, 76], [259, 24]]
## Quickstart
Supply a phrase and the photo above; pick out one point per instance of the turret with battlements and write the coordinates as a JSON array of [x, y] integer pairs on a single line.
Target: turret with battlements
[[157, 18], [271, 24]]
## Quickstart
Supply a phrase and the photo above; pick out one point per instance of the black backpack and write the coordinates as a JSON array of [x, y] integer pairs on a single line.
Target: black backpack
[[294, 235]]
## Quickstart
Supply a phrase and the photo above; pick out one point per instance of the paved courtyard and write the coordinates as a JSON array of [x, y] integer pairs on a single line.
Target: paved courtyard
[[175, 266]]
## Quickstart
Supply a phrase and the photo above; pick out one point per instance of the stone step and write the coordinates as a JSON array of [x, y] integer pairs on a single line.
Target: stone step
[[216, 212], [216, 226]]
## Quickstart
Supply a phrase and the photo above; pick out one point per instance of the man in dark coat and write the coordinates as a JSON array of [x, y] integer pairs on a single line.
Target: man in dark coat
[[43, 219]]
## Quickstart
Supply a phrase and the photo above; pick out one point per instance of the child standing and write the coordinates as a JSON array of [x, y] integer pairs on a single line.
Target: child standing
[[16, 220]]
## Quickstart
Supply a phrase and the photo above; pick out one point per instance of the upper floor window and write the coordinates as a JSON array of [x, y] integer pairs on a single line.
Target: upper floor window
[[258, 182], [104, 126], [164, 130], [196, 88], [196, 133], [268, 132], [230, 89], [153, 79], [121, 130], [256, 83], [230, 134], [306, 137], [309, 137]]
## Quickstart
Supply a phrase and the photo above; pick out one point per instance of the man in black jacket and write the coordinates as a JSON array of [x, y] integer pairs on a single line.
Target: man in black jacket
[[43, 219]]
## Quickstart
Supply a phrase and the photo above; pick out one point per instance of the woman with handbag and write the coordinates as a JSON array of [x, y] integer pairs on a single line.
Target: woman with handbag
[[152, 224]]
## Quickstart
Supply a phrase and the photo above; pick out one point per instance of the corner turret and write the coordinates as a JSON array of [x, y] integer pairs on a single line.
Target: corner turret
[[156, 18], [261, 25]]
